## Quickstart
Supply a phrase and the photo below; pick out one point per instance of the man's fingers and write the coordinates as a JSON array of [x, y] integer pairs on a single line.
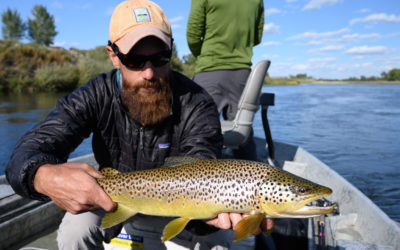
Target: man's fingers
[[90, 170], [72, 207], [235, 218], [73, 187], [230, 220], [99, 198], [213, 221], [267, 224], [95, 174], [224, 221], [104, 201]]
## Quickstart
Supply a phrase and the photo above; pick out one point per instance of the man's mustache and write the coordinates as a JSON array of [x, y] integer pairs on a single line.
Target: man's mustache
[[145, 84], [148, 84]]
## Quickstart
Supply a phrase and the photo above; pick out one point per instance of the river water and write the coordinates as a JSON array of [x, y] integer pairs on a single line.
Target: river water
[[353, 128]]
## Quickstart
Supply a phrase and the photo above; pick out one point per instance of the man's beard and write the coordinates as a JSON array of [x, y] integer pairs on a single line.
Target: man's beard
[[150, 108]]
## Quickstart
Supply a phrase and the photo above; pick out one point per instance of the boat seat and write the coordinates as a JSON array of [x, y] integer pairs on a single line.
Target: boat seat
[[237, 132]]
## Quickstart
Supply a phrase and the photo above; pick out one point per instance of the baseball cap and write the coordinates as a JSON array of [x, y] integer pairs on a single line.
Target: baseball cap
[[133, 20]]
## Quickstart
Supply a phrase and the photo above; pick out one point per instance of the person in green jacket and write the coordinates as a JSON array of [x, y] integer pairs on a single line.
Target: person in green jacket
[[221, 34]]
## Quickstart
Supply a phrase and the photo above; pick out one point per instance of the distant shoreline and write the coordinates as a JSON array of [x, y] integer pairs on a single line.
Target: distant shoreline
[[280, 81], [351, 82]]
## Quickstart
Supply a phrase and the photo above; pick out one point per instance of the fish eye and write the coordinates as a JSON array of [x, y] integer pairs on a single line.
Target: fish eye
[[302, 190]]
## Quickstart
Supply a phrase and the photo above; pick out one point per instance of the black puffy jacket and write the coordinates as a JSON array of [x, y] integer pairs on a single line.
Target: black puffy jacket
[[118, 141]]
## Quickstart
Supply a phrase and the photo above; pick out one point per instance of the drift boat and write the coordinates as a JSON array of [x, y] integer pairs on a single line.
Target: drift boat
[[357, 224]]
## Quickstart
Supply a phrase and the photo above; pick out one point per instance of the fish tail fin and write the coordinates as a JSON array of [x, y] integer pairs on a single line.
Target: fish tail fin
[[109, 172], [247, 226], [121, 214], [174, 227]]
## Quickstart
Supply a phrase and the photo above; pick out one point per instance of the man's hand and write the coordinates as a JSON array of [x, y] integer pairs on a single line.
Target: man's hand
[[73, 187], [229, 220]]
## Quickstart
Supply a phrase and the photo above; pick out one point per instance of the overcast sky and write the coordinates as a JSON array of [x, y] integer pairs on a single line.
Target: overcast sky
[[322, 38]]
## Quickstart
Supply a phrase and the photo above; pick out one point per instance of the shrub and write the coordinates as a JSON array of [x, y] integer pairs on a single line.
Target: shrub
[[98, 54], [394, 75], [57, 77], [18, 63], [89, 68]]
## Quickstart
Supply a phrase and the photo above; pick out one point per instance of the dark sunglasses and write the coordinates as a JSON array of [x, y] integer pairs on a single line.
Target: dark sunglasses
[[138, 61]]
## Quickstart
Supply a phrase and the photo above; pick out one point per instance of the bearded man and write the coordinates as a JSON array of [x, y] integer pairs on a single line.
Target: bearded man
[[139, 113]]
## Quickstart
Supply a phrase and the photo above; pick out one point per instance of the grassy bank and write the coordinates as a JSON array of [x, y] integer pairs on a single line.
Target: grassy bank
[[297, 81], [351, 82], [32, 67], [280, 81], [35, 68]]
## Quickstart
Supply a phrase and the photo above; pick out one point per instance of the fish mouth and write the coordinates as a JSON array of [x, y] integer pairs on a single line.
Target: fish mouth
[[311, 207], [306, 211], [310, 210]]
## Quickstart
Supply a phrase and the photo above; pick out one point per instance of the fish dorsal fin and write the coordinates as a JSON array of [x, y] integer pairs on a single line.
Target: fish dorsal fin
[[174, 227], [247, 226], [174, 161], [121, 214], [109, 172]]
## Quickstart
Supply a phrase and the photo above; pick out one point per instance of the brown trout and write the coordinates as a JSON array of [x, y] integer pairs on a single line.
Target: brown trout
[[192, 188]]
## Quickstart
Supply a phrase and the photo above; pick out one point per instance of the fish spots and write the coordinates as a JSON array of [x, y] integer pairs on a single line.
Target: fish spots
[[235, 185]]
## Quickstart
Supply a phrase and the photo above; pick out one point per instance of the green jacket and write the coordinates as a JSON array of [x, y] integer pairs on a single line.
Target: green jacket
[[222, 33]]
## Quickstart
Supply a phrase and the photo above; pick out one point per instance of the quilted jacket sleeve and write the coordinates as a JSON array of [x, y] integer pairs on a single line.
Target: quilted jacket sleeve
[[51, 141]]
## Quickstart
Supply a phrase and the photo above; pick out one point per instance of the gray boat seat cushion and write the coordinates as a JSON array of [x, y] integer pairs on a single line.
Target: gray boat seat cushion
[[237, 132]]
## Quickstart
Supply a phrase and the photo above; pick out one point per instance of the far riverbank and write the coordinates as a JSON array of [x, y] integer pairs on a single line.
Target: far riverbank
[[295, 81], [351, 82]]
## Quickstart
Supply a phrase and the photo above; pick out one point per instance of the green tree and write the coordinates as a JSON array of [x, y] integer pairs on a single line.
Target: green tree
[[41, 27], [189, 62], [189, 59], [301, 76], [394, 75], [13, 26], [176, 63], [384, 75]]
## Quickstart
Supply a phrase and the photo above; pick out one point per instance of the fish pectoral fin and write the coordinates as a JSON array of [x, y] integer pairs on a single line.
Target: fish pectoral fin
[[174, 227], [247, 226], [121, 214]]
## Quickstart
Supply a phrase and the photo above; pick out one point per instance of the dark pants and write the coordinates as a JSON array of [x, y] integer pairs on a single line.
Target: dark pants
[[226, 87]]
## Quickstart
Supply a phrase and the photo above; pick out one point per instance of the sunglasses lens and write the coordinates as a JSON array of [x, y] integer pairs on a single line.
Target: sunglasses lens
[[134, 62], [160, 60], [138, 61]]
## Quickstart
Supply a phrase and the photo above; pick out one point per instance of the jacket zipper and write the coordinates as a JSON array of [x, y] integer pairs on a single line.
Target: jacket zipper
[[140, 147]]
